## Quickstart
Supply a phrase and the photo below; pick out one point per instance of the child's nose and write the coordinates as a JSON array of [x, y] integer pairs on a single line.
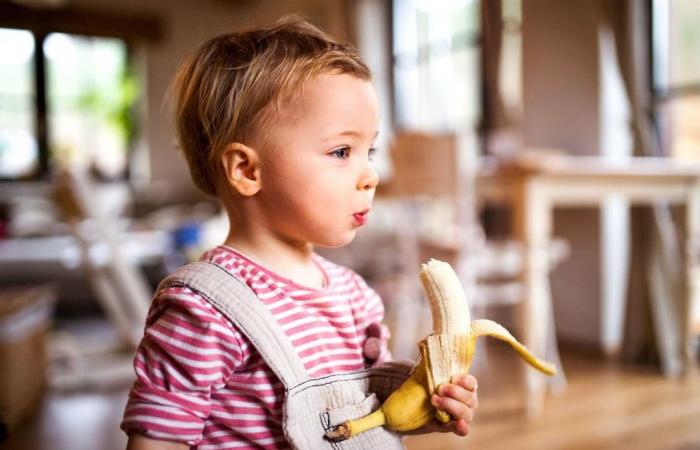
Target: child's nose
[[368, 179]]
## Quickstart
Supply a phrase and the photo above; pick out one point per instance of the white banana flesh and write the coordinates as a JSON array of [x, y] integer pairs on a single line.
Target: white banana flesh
[[449, 306]]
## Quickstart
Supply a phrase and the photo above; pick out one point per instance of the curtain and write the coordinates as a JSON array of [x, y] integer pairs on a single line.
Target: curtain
[[654, 329], [492, 110], [500, 124]]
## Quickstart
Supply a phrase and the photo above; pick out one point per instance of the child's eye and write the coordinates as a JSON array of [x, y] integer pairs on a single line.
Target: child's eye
[[342, 153]]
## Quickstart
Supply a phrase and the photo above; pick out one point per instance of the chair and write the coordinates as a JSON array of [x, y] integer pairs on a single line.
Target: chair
[[435, 176], [120, 288]]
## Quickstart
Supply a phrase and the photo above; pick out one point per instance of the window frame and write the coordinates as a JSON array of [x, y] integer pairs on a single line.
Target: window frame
[[662, 95], [41, 22], [466, 41]]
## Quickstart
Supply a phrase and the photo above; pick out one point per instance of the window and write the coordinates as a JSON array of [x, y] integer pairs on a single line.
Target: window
[[457, 68], [90, 96], [436, 64], [80, 87], [676, 75], [19, 153], [68, 89]]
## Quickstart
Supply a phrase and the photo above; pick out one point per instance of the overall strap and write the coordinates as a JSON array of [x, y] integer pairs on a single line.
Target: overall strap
[[233, 298]]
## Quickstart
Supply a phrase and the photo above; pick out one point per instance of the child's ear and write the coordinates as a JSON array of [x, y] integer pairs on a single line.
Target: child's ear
[[242, 168]]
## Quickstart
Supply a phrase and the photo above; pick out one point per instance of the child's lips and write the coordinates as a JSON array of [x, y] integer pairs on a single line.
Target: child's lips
[[360, 217]]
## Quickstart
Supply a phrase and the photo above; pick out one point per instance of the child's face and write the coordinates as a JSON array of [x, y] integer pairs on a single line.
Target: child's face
[[317, 176]]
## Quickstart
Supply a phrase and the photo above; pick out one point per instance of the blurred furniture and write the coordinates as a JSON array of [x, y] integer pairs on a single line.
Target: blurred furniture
[[534, 184], [65, 252], [25, 318], [119, 286], [429, 168]]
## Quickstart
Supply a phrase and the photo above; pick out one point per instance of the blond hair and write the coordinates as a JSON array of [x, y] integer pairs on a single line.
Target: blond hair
[[227, 90]]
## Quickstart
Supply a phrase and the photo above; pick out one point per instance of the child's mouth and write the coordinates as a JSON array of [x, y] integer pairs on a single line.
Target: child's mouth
[[360, 218]]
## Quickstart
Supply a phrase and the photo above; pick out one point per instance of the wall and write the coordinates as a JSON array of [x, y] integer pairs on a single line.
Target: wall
[[561, 85]]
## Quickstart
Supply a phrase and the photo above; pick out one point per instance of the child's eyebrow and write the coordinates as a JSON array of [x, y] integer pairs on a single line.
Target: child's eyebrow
[[350, 133]]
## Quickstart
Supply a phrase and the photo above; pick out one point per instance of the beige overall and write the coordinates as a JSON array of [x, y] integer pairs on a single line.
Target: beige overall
[[311, 406]]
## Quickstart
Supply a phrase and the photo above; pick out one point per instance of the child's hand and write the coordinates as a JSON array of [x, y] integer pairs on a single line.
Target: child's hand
[[459, 400]]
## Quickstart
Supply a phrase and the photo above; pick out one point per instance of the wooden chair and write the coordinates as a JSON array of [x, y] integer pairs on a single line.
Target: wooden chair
[[120, 288], [439, 171]]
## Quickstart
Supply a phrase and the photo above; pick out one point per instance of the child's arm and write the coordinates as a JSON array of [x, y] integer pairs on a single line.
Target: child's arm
[[170, 398], [139, 442]]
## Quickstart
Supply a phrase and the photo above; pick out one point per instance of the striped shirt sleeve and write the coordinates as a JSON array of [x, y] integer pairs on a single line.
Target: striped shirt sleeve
[[188, 350]]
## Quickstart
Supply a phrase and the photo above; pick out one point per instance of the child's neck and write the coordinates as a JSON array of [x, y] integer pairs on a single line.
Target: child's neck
[[290, 260]]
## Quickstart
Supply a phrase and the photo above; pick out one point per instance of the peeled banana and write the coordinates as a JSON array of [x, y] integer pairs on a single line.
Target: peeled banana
[[447, 351]]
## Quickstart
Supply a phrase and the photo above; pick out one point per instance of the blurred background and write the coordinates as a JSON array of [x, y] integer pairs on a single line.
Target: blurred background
[[548, 149]]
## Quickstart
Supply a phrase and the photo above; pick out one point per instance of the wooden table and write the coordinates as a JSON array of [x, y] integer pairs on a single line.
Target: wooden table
[[535, 184]]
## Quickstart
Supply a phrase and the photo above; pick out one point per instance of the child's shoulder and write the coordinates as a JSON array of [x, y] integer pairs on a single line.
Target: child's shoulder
[[232, 261], [220, 254], [184, 308], [183, 298], [181, 309]]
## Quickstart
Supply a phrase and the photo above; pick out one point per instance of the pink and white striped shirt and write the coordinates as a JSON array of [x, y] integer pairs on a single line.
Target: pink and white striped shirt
[[200, 381]]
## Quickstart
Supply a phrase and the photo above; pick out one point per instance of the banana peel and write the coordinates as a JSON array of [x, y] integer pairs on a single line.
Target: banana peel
[[447, 351]]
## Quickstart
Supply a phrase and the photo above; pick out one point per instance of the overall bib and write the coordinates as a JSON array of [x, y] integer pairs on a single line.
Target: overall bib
[[312, 406]]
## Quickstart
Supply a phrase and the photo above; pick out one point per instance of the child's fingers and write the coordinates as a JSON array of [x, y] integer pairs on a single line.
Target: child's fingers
[[467, 381], [455, 408], [461, 427], [458, 393], [459, 400]]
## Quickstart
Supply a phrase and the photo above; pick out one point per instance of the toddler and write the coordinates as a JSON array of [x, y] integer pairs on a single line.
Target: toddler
[[264, 343]]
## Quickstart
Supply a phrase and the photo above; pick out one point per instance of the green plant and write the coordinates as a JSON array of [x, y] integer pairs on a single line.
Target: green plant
[[116, 110]]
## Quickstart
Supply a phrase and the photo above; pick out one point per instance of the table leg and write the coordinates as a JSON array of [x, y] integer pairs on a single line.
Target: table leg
[[532, 224]]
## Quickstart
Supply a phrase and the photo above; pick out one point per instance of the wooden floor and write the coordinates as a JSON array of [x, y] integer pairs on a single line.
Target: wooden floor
[[605, 407]]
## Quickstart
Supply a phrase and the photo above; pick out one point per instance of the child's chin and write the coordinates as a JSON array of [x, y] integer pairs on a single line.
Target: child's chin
[[338, 241]]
